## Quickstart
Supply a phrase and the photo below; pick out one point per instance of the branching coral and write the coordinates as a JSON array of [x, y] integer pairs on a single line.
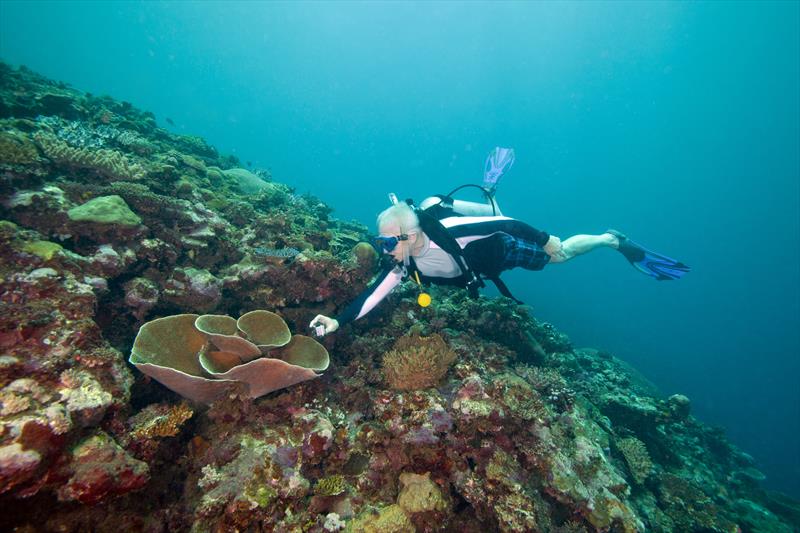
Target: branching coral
[[417, 362], [160, 421], [16, 149], [635, 453], [690, 508], [331, 485]]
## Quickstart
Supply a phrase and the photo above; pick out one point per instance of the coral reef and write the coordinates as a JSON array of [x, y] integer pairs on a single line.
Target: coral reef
[[59, 377], [483, 418], [417, 362]]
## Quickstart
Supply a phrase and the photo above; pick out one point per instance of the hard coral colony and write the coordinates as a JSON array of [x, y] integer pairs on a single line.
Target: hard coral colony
[[118, 235]]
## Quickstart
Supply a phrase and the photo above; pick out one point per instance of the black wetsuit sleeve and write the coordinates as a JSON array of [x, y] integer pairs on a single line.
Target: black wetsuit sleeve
[[372, 295], [515, 228]]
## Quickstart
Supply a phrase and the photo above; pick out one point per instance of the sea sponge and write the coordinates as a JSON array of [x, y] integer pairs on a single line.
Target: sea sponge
[[222, 332], [417, 362], [166, 350], [265, 329]]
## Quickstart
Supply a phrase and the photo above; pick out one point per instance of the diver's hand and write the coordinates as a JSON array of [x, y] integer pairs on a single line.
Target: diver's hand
[[329, 325], [554, 249]]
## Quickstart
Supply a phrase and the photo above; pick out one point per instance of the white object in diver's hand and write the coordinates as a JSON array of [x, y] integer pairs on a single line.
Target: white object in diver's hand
[[322, 325]]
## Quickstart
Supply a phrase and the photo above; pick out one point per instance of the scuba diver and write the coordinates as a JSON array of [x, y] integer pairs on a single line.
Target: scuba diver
[[453, 242]]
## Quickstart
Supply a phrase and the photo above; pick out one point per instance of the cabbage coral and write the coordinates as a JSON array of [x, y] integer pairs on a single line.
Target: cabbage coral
[[197, 357]]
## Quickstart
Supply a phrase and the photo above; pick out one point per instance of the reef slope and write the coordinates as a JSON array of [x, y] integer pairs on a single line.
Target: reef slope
[[468, 415]]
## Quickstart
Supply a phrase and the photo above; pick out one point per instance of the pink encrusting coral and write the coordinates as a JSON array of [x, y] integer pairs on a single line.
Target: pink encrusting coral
[[468, 415], [100, 468]]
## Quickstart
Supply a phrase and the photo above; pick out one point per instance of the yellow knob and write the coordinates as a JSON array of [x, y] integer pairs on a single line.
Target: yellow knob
[[424, 299]]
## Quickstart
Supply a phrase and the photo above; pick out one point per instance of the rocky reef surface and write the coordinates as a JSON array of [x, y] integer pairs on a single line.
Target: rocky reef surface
[[468, 415]]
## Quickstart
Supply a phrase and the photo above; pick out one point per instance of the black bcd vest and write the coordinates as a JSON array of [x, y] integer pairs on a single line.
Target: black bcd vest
[[429, 221]]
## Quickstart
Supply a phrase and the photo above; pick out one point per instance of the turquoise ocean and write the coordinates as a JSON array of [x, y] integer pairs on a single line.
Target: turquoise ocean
[[677, 123]]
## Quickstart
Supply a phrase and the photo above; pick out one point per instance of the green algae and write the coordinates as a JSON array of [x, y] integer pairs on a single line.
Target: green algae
[[110, 210], [43, 249]]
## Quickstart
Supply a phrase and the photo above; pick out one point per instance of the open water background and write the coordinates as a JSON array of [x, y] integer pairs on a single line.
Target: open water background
[[678, 123]]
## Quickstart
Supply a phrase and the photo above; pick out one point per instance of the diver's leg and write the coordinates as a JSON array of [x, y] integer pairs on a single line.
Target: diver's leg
[[581, 244]]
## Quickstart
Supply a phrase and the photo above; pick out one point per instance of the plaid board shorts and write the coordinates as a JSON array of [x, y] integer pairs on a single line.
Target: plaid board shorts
[[522, 253]]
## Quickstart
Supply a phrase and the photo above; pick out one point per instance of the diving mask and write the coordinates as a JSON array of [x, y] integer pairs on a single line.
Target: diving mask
[[388, 244]]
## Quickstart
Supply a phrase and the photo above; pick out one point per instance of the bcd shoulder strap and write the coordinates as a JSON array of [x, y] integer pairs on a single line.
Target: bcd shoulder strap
[[436, 231]]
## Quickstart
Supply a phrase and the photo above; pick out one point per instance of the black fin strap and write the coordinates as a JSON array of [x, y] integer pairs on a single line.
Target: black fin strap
[[501, 286]]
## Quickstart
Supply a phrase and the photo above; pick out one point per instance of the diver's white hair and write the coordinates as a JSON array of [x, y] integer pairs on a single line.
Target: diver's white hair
[[398, 219]]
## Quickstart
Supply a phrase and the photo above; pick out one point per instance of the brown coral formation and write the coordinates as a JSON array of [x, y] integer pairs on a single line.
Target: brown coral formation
[[109, 163], [417, 362], [160, 421], [635, 453], [16, 149]]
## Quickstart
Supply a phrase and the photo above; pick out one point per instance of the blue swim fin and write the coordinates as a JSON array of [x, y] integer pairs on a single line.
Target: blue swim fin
[[497, 163], [648, 262]]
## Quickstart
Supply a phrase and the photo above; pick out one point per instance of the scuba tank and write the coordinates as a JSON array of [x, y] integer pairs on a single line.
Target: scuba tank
[[498, 162]]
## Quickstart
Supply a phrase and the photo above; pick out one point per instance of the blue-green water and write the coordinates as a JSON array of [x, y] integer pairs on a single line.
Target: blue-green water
[[678, 123]]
